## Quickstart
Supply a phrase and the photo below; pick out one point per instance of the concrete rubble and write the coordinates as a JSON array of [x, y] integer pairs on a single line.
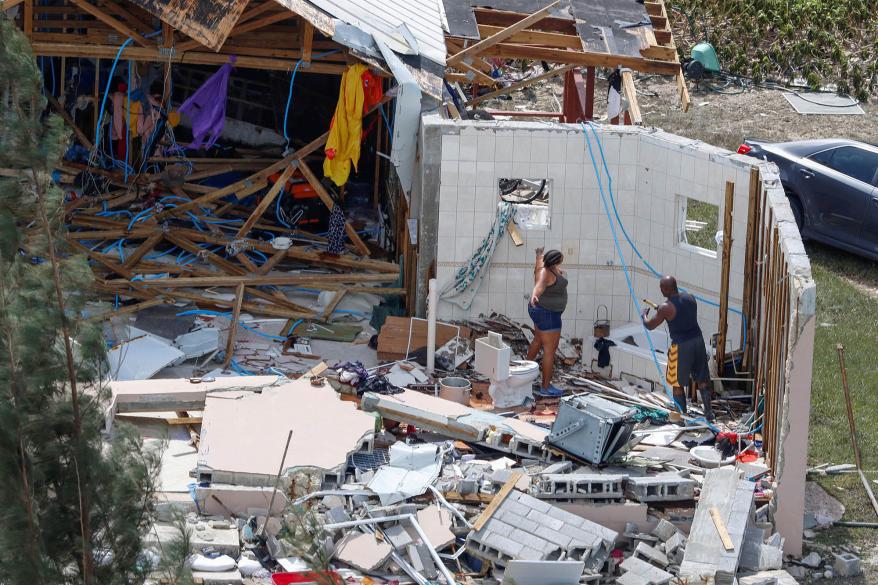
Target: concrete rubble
[[397, 482]]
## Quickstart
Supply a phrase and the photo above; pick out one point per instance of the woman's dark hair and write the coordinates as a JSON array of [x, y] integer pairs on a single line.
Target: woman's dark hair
[[552, 258]]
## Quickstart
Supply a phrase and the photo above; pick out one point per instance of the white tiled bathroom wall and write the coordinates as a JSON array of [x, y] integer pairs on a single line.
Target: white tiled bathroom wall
[[650, 171]]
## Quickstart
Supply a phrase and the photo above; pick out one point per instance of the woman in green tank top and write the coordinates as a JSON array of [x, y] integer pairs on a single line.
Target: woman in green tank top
[[547, 301]]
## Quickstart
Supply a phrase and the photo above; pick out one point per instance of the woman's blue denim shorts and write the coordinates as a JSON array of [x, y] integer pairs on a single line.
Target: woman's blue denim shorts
[[544, 319]]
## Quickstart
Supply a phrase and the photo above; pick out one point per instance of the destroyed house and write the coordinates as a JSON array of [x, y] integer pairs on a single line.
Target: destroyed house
[[296, 170]]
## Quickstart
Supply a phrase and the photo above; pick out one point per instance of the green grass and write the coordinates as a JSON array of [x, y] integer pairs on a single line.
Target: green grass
[[709, 214], [848, 314]]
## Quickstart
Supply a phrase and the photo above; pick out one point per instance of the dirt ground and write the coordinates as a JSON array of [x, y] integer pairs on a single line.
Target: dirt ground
[[719, 119]]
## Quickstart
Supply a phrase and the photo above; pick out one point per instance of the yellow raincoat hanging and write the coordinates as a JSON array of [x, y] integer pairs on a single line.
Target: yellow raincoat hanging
[[346, 130]]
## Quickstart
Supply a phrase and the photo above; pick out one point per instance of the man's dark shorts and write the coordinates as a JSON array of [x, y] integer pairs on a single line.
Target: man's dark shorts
[[688, 359]]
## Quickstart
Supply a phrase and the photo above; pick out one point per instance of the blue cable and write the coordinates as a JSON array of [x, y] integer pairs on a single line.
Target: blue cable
[[646, 263], [295, 324], [239, 369], [289, 100], [127, 42], [222, 314], [389, 127], [290, 92], [618, 247]]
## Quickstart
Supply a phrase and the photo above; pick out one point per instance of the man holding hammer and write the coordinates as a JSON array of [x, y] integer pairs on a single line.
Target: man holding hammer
[[687, 356]]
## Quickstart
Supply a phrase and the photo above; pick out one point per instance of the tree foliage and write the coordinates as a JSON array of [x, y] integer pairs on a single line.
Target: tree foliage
[[73, 506]]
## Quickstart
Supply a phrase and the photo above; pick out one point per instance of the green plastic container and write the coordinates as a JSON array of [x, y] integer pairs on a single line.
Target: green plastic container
[[705, 54]]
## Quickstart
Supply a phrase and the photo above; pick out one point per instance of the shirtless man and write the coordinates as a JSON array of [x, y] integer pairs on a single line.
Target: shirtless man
[[687, 356]]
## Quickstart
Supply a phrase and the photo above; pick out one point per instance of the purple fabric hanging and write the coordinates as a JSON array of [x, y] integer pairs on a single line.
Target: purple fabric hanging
[[206, 107]]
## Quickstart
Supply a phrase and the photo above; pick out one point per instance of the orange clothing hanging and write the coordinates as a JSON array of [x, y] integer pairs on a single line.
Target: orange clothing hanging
[[345, 132]]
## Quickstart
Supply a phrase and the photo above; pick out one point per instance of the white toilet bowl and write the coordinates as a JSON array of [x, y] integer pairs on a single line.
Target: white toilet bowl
[[517, 388]]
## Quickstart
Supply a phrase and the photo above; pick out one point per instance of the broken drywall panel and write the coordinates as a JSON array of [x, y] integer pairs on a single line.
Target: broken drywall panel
[[198, 343], [525, 528], [243, 434], [411, 469], [543, 572], [613, 515], [141, 358], [175, 394], [362, 551], [732, 497], [436, 523]]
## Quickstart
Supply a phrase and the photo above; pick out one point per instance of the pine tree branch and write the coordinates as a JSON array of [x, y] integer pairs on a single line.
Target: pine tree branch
[[84, 520], [26, 495]]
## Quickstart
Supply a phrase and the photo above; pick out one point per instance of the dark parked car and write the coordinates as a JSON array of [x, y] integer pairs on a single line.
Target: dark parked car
[[832, 186]]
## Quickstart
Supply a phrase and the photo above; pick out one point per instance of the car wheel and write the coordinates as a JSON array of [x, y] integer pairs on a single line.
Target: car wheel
[[798, 212]]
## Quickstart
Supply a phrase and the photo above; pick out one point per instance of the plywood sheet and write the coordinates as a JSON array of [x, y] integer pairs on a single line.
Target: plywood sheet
[[207, 21]]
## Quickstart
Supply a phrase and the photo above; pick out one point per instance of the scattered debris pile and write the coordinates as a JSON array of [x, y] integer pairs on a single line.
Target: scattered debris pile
[[383, 480]]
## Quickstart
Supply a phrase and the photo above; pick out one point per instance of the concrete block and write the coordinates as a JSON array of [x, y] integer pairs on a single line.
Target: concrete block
[[632, 578], [651, 555], [846, 565], [660, 488], [223, 540], [337, 514], [652, 574], [419, 557], [218, 578], [664, 530], [675, 543], [778, 577], [398, 536]]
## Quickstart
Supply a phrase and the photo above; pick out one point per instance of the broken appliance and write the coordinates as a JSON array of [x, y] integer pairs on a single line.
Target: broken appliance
[[591, 428]]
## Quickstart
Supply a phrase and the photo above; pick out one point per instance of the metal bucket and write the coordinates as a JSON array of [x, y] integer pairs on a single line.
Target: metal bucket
[[455, 389], [602, 326]]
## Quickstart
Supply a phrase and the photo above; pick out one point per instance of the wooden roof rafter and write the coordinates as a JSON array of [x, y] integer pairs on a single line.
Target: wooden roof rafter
[[571, 41]]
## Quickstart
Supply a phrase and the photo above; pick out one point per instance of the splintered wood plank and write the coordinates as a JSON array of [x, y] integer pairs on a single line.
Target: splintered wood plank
[[502, 35], [266, 201], [307, 40], [127, 310], [631, 93], [520, 85], [324, 196], [498, 499], [721, 528], [233, 329], [207, 21], [112, 22], [514, 234], [143, 249], [193, 248], [259, 176]]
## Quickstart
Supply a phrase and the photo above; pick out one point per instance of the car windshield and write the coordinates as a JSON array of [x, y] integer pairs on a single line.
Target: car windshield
[[852, 161]]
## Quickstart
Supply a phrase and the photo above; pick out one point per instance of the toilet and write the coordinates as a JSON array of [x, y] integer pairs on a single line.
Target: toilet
[[511, 380]]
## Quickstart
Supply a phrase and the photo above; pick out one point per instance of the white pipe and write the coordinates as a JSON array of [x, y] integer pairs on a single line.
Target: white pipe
[[431, 326], [449, 578]]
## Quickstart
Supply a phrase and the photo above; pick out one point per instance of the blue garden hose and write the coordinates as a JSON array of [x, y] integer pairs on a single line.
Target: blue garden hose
[[618, 246], [645, 262]]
